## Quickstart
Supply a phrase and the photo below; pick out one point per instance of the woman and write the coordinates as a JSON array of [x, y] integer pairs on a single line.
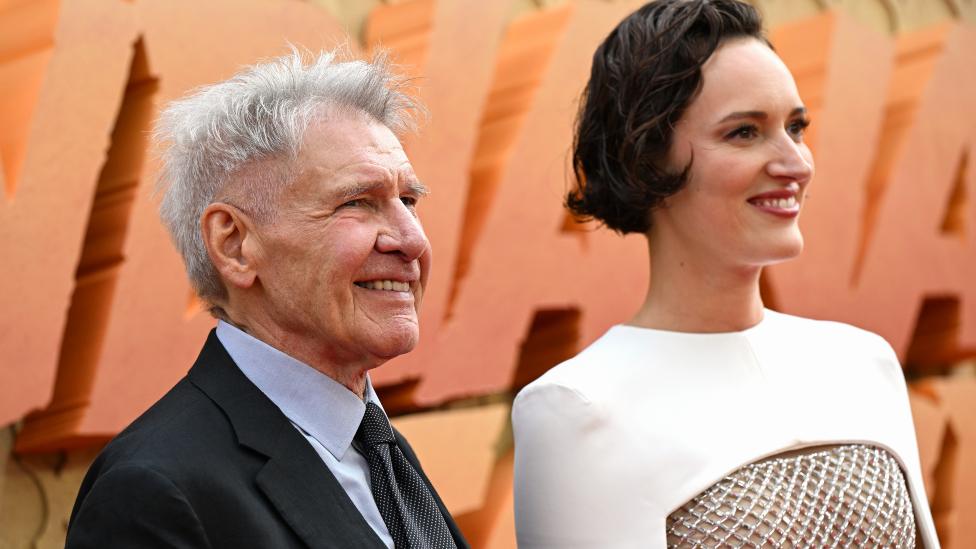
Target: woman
[[707, 420]]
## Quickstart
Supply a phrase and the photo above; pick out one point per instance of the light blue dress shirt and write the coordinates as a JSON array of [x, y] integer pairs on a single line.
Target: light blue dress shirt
[[325, 412]]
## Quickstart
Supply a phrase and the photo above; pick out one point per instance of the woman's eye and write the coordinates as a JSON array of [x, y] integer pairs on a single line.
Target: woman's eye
[[743, 132], [798, 127]]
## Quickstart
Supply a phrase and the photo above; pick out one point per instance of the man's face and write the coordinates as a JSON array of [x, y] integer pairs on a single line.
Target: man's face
[[344, 264]]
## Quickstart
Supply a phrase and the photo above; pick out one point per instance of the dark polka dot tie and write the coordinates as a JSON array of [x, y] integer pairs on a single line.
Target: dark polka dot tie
[[407, 506]]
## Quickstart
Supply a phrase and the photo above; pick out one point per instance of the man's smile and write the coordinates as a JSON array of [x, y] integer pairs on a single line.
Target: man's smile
[[385, 285]]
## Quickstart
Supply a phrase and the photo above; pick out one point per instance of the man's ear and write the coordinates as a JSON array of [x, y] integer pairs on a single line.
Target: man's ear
[[227, 232]]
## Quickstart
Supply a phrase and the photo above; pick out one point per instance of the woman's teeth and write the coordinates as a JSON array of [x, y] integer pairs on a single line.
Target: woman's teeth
[[388, 285], [781, 203]]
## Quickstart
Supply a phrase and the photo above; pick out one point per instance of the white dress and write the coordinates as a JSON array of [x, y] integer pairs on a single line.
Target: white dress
[[612, 441]]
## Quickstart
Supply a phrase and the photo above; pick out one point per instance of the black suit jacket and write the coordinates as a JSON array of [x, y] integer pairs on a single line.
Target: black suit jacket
[[215, 463]]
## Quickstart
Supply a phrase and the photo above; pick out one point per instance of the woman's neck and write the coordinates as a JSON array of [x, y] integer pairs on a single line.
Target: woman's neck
[[689, 293]]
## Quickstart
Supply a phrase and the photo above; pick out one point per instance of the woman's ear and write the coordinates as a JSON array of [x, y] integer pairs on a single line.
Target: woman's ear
[[227, 232]]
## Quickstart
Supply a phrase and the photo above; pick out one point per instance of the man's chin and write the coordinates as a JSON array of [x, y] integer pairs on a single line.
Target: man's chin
[[392, 345]]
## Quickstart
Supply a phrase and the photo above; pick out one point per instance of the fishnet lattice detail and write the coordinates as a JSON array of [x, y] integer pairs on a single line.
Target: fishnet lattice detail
[[845, 496]]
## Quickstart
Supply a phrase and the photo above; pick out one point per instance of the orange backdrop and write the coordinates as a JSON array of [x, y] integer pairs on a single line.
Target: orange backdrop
[[97, 319]]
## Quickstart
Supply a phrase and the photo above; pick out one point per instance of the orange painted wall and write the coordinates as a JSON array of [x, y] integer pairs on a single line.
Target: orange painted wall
[[97, 319]]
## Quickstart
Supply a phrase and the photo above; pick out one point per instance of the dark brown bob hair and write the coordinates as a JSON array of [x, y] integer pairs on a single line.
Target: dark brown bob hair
[[644, 76]]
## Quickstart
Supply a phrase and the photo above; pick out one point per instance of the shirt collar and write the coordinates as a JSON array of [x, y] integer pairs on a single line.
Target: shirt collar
[[317, 404]]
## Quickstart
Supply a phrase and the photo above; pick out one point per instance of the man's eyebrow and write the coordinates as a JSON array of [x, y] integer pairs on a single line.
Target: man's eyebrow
[[418, 188], [760, 115], [356, 189]]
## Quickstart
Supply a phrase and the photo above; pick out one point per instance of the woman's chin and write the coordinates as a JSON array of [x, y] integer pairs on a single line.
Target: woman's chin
[[786, 250], [771, 252]]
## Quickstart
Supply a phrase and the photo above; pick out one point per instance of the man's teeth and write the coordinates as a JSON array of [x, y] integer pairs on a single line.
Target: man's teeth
[[781, 203], [388, 285]]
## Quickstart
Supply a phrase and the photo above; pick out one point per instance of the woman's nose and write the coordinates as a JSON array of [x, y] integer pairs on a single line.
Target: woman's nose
[[792, 160]]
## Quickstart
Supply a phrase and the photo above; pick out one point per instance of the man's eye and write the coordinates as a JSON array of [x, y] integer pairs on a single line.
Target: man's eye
[[353, 203], [409, 201]]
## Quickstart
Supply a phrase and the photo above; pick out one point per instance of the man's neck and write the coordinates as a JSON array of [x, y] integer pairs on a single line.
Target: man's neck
[[349, 372]]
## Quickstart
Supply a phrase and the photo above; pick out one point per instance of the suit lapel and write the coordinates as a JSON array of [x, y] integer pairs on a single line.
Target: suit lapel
[[317, 509], [294, 479]]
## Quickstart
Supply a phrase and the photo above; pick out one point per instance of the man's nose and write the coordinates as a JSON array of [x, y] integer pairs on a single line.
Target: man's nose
[[403, 233], [791, 161]]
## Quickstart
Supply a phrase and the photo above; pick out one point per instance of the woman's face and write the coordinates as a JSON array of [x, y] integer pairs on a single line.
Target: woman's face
[[750, 165]]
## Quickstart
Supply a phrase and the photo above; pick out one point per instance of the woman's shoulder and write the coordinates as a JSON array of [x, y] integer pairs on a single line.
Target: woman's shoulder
[[581, 389], [830, 341], [565, 383], [825, 331], [584, 376]]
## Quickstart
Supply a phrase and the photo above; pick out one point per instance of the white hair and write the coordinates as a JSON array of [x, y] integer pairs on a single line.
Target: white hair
[[259, 114]]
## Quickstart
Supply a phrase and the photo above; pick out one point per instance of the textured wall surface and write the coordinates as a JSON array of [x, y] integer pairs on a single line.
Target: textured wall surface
[[97, 320]]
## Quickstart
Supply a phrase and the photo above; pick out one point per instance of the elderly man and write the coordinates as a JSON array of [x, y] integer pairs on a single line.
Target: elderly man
[[294, 207]]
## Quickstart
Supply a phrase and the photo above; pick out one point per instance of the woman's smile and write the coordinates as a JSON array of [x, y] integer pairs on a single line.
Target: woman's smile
[[780, 202]]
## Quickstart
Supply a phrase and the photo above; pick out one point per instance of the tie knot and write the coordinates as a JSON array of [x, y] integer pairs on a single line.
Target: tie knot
[[375, 427]]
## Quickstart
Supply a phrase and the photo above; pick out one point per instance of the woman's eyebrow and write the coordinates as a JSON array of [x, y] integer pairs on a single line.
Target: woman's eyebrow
[[759, 115], [740, 115]]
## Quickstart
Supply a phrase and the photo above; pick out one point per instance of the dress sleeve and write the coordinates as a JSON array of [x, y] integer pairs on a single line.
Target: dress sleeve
[[134, 506], [907, 447], [571, 483]]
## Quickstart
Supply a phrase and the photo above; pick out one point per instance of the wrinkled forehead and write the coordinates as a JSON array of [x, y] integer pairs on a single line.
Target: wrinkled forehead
[[341, 126], [335, 139], [350, 149]]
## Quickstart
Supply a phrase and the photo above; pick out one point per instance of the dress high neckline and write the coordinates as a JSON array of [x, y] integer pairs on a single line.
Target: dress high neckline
[[766, 315]]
